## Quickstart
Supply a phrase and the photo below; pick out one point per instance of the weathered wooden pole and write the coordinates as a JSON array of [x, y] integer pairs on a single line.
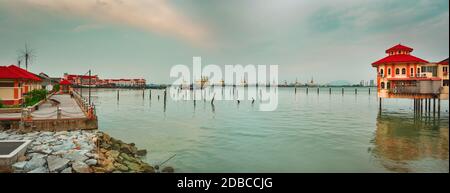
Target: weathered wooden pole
[[429, 106], [434, 106], [343, 92], [369, 90], [426, 103], [330, 90], [379, 104], [295, 90], [317, 90], [150, 94], [421, 106], [117, 94], [356, 91], [306, 90], [143, 93], [439, 108]]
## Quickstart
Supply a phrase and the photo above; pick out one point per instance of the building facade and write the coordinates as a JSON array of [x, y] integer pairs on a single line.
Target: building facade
[[15, 82], [402, 75]]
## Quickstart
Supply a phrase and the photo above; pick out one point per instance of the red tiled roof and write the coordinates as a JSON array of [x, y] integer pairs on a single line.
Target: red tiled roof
[[444, 62], [14, 72], [399, 47], [65, 82], [400, 58]]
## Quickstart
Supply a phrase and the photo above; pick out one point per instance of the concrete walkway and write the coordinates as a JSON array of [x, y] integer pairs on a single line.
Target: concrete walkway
[[69, 109]]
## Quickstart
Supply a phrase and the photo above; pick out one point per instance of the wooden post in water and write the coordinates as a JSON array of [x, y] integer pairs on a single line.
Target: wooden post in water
[[356, 91], [439, 108], [426, 103], [434, 106], [330, 90], [150, 94], [421, 106], [306, 90], [369, 90], [343, 94], [379, 104], [317, 90], [117, 94]]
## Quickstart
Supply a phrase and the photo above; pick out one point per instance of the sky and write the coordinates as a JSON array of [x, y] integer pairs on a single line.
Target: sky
[[328, 40]]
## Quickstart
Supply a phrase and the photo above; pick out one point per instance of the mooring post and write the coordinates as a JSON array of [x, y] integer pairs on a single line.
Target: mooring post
[[295, 90], [379, 104], [330, 90], [317, 90], [143, 93], [150, 94], [426, 103], [117, 94], [343, 92], [369, 90], [306, 90], [356, 91]]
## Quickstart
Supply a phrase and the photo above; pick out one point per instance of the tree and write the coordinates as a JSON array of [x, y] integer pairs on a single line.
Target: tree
[[26, 54]]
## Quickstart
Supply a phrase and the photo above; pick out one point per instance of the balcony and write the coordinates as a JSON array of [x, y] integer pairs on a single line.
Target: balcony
[[421, 87]]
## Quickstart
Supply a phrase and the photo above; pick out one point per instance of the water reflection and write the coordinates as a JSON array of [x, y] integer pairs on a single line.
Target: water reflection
[[403, 144]]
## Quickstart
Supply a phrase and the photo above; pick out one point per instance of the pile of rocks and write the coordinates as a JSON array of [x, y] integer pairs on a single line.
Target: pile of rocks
[[76, 152], [117, 156]]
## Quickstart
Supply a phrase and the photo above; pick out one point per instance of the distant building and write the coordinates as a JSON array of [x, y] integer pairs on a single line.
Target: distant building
[[402, 75], [372, 82], [15, 82], [81, 79], [96, 81], [139, 82]]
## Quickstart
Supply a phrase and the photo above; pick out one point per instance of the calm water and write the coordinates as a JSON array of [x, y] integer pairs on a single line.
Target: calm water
[[307, 133]]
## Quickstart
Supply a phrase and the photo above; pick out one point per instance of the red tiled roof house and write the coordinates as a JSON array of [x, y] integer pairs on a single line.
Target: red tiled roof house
[[402, 75], [14, 82]]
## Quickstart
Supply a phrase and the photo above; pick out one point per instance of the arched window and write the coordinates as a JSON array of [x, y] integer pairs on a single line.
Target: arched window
[[381, 72], [403, 71], [412, 72], [397, 71], [382, 85], [388, 86], [418, 70], [389, 71]]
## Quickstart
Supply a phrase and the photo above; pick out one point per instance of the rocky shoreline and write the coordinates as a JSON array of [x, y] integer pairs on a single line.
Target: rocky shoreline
[[81, 151]]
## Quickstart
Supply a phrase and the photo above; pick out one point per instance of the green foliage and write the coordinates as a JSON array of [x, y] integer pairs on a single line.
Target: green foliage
[[1, 104], [35, 96], [55, 88]]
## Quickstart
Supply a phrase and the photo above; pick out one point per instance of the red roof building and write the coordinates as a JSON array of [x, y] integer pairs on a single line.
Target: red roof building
[[402, 75], [15, 82], [399, 54]]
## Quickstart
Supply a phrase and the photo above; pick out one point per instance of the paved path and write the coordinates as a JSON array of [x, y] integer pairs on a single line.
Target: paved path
[[69, 109]]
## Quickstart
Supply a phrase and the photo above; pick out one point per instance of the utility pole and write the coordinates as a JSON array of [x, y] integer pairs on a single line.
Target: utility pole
[[89, 87]]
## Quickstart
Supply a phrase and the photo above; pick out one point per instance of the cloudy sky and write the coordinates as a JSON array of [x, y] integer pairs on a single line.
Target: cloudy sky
[[325, 39]]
